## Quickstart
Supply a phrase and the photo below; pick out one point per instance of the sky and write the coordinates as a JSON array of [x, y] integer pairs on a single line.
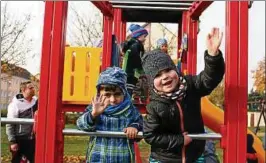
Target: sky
[[213, 16]]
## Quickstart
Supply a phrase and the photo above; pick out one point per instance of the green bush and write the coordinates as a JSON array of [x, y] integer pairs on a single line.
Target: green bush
[[3, 112], [71, 118]]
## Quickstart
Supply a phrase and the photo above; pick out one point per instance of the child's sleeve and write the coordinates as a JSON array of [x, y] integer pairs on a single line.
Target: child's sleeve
[[135, 52], [212, 74], [158, 139], [138, 120], [85, 121]]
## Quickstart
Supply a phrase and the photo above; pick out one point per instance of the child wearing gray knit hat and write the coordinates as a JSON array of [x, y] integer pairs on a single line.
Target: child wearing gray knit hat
[[174, 108], [162, 45]]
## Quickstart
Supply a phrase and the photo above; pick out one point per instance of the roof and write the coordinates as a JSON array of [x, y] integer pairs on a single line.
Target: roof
[[16, 70], [155, 11]]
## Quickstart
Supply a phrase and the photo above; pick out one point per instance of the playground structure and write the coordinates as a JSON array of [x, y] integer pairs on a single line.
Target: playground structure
[[76, 93]]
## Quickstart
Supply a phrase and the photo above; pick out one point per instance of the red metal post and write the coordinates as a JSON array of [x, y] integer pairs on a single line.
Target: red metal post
[[198, 7], [231, 81], [105, 33], [105, 7], [107, 42], [242, 81], [179, 37], [124, 30], [109, 50], [194, 44], [118, 24], [44, 83], [190, 46], [185, 18], [54, 138]]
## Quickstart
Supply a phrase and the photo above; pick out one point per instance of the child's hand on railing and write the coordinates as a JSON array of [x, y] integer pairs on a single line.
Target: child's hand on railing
[[187, 139], [131, 132]]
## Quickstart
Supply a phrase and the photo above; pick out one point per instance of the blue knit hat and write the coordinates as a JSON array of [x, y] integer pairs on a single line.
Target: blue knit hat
[[161, 42], [113, 76], [137, 30]]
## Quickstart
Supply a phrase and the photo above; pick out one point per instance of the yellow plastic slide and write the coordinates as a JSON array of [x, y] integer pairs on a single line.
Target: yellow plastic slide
[[214, 117]]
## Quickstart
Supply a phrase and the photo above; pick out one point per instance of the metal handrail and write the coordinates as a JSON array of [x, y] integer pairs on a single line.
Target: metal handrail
[[17, 120], [76, 132], [151, 7], [151, 3]]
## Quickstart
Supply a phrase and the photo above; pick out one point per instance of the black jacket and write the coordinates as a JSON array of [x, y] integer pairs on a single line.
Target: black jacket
[[162, 128], [134, 59]]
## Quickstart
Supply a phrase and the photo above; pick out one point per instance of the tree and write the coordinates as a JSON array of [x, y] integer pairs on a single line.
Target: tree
[[85, 28], [259, 77], [217, 95], [15, 45]]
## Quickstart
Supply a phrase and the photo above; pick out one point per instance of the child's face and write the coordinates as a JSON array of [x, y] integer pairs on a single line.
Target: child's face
[[113, 97], [164, 48], [142, 38], [166, 81]]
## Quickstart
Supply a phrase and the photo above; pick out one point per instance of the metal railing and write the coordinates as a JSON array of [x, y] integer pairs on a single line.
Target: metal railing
[[151, 7], [76, 132], [140, 134], [151, 3], [17, 121]]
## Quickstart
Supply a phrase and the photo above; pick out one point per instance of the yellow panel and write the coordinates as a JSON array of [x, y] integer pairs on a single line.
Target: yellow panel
[[85, 74]]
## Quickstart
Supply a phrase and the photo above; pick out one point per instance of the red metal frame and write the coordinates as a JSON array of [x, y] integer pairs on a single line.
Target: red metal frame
[[107, 42], [242, 81], [44, 83], [231, 81], [105, 7], [185, 19], [198, 7], [194, 36], [52, 145], [118, 24], [179, 38], [236, 81], [191, 43], [49, 128], [124, 30], [54, 138], [73, 108]]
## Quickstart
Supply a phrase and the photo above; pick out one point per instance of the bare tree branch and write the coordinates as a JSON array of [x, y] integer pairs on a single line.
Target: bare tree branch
[[85, 28], [14, 43]]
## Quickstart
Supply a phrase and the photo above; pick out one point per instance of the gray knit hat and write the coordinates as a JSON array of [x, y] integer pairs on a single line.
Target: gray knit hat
[[155, 61]]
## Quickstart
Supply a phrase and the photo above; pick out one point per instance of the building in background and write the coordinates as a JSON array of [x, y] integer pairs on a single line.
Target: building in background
[[10, 83]]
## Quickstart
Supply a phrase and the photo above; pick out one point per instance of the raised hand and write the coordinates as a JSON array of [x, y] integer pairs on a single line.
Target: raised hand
[[99, 104], [213, 41]]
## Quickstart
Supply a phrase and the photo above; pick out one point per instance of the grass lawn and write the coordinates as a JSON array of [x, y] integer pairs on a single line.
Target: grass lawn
[[75, 147]]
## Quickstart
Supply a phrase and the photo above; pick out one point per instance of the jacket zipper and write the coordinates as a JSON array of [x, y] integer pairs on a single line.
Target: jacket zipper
[[19, 131], [183, 130]]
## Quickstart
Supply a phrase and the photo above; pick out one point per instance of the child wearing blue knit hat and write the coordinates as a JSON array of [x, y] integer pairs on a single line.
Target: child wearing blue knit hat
[[112, 110], [137, 31], [133, 50]]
